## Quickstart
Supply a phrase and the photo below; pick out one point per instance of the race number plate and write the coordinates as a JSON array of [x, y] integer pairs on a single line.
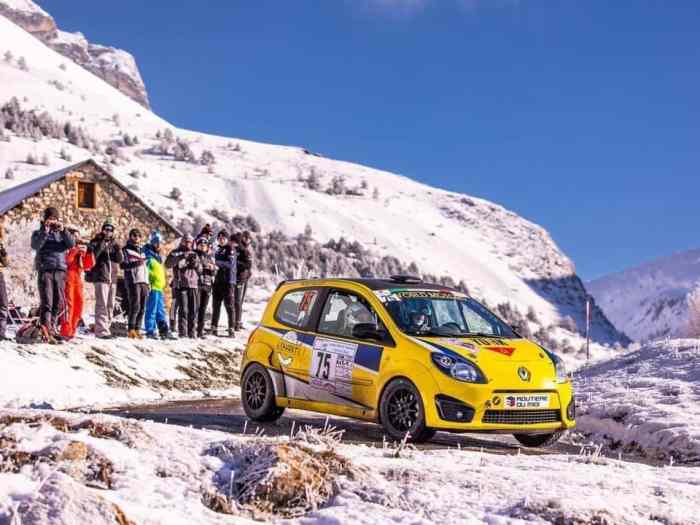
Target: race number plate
[[518, 401], [331, 366]]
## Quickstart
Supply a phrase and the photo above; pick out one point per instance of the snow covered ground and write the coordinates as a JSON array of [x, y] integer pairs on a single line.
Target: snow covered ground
[[90, 469], [89, 372], [647, 400]]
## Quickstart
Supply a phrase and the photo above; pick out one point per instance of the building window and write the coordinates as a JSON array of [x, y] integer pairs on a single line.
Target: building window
[[86, 195]]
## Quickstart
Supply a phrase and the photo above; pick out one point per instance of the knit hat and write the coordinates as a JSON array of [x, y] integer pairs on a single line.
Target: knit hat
[[134, 231], [201, 240], [222, 233], [155, 238], [109, 223], [50, 213]]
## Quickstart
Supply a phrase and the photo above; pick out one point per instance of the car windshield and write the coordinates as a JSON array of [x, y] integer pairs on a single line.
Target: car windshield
[[443, 314]]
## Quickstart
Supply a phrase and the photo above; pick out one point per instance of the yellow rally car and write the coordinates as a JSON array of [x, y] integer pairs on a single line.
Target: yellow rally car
[[413, 356]]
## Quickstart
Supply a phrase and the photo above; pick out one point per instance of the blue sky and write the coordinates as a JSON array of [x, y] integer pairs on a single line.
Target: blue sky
[[583, 116]]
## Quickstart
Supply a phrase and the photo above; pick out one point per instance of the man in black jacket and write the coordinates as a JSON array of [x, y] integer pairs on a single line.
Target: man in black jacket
[[244, 270], [51, 241], [224, 282], [108, 256]]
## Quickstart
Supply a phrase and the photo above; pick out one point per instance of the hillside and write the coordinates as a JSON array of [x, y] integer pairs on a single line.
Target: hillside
[[193, 177], [649, 301]]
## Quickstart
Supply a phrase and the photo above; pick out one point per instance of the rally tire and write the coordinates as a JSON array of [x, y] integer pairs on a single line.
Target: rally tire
[[401, 410], [538, 440], [258, 395]]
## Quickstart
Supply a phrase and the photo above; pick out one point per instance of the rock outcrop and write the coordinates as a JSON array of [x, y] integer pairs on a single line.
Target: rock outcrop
[[115, 66]]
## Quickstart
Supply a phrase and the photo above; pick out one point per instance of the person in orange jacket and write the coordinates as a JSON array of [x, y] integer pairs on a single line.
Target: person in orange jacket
[[78, 259]]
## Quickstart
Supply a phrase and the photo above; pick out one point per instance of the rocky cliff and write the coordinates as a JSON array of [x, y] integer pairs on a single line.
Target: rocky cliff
[[115, 66]]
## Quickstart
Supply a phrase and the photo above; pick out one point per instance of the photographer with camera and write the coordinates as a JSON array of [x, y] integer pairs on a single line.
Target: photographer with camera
[[78, 259], [224, 282], [4, 304], [244, 270], [51, 241], [136, 281], [108, 256], [186, 268]]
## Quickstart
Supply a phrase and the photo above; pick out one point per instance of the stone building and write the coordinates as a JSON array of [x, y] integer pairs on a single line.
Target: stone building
[[84, 194]]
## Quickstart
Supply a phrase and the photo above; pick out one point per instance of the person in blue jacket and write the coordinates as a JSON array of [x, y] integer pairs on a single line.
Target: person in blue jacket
[[224, 288], [51, 242]]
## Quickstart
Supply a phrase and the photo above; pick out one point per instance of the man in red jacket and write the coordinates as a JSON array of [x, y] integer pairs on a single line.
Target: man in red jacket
[[78, 259]]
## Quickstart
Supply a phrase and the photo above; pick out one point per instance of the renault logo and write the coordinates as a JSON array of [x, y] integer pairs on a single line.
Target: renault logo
[[524, 373]]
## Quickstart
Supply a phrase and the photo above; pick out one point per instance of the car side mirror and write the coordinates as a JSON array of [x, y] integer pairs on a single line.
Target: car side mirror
[[368, 331]]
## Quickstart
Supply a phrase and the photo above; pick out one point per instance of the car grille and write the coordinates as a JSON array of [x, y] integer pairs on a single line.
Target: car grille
[[521, 417]]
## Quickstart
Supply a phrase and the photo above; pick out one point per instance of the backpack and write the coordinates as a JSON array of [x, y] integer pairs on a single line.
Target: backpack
[[32, 332]]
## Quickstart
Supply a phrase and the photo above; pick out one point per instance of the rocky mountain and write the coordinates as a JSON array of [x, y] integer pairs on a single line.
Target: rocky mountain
[[115, 66], [312, 215], [650, 300]]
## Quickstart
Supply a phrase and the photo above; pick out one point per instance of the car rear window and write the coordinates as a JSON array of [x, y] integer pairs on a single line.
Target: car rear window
[[295, 307]]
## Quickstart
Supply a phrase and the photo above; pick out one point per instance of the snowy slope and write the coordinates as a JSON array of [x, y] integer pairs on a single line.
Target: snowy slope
[[649, 301], [115, 66], [501, 256], [158, 474], [645, 400]]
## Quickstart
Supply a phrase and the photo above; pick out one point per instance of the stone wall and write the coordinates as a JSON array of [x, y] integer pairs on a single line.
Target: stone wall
[[111, 201]]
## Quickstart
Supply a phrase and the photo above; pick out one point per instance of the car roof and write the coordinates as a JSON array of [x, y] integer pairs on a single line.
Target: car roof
[[374, 283]]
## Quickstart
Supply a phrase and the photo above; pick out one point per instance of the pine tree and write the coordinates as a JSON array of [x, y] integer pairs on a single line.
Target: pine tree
[[31, 159], [65, 155], [9, 174], [375, 193], [22, 63], [45, 159], [8, 56], [175, 194]]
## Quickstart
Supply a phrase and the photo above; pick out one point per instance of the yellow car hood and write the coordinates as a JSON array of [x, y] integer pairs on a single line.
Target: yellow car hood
[[488, 350]]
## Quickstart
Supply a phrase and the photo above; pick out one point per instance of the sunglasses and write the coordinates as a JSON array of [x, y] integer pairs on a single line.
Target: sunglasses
[[108, 229]]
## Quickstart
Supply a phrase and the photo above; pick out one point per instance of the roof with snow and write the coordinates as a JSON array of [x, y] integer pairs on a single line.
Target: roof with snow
[[15, 195]]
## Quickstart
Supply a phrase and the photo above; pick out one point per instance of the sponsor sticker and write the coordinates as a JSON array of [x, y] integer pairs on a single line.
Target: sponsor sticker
[[504, 350], [522, 401], [471, 348]]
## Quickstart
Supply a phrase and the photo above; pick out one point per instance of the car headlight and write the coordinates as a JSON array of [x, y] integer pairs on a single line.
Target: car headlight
[[559, 367], [458, 369]]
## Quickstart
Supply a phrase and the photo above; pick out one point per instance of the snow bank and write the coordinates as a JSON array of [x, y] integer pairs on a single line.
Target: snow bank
[[646, 400], [93, 372], [162, 474]]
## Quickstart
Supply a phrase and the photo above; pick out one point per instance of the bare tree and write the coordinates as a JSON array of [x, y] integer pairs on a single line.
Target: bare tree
[[22, 63], [8, 56]]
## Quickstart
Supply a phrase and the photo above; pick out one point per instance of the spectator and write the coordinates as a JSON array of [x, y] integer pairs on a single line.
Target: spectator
[[51, 241], [156, 318], [207, 233], [224, 282], [108, 256], [186, 269], [4, 304], [206, 279], [136, 282], [244, 270], [78, 259]]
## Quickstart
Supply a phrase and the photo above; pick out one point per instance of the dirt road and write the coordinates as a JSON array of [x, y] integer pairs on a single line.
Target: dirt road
[[227, 415]]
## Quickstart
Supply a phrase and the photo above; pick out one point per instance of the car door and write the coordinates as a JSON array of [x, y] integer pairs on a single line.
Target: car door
[[344, 367], [292, 353]]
